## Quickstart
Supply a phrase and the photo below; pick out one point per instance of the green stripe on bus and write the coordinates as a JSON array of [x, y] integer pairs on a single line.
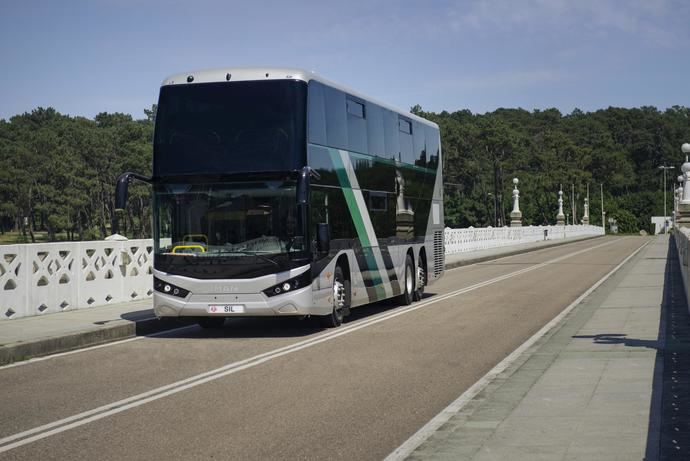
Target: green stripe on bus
[[350, 198], [375, 273], [358, 221]]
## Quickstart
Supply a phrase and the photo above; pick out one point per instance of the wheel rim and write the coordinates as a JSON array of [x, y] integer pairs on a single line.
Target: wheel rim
[[338, 297], [408, 279], [420, 278]]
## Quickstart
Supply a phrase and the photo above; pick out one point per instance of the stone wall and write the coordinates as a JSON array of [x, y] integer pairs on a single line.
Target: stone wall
[[473, 239], [46, 278]]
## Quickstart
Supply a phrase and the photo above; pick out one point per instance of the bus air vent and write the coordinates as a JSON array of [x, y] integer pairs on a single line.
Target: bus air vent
[[439, 254]]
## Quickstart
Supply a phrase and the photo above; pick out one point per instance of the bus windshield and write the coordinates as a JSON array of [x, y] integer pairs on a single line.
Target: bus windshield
[[230, 127], [255, 221]]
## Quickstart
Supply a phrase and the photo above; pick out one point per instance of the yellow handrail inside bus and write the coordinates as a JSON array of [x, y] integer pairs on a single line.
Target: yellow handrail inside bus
[[188, 247]]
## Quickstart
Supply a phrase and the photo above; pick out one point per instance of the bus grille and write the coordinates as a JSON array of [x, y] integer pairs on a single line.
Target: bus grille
[[439, 254]]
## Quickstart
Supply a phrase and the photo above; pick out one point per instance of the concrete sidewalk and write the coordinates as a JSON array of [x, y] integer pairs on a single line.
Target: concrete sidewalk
[[36, 336], [610, 381]]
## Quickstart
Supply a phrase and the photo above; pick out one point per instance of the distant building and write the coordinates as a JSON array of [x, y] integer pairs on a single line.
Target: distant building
[[658, 222]]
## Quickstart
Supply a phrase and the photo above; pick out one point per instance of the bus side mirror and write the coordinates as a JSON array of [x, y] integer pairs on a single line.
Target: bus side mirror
[[323, 237], [121, 187]]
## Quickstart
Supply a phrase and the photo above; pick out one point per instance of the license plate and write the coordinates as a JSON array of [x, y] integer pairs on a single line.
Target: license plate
[[225, 309]]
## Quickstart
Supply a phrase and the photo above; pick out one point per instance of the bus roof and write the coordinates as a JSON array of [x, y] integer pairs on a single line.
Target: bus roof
[[239, 74]]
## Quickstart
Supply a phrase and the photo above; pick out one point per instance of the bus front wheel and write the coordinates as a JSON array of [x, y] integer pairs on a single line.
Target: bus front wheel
[[341, 290]]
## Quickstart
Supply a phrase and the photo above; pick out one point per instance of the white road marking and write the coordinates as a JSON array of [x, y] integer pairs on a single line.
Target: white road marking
[[80, 419], [406, 449]]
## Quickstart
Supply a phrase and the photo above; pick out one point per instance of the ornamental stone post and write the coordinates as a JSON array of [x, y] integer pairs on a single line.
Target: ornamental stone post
[[516, 214], [678, 193], [585, 217], [560, 217], [676, 199], [683, 215]]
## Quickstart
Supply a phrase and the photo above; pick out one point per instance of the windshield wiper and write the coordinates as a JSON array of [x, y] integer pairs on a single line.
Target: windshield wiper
[[245, 253]]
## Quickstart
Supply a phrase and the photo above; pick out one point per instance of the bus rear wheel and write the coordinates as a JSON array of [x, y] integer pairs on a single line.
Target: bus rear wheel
[[408, 283], [341, 290], [421, 278], [211, 322]]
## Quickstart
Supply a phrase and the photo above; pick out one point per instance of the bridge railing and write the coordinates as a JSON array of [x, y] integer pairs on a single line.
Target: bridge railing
[[473, 239], [682, 239], [45, 278]]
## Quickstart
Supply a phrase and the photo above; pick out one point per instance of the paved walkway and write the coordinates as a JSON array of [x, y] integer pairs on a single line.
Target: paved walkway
[[610, 382], [28, 337]]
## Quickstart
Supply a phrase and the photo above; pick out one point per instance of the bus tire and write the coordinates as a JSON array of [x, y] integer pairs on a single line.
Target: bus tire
[[211, 322], [420, 279], [408, 283], [341, 290]]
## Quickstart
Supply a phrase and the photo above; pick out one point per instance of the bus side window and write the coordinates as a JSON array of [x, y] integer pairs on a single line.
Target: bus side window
[[432, 147], [356, 126], [420, 154], [329, 206], [375, 140], [381, 212], [406, 144], [390, 134], [316, 125], [336, 118]]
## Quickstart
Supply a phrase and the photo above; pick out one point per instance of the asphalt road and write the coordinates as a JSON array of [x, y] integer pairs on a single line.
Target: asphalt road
[[286, 389]]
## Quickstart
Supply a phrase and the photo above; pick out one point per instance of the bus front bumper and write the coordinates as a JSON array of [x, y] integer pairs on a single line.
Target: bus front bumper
[[299, 302]]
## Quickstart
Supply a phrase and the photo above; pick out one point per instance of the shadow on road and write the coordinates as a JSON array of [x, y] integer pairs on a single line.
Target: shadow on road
[[258, 327]]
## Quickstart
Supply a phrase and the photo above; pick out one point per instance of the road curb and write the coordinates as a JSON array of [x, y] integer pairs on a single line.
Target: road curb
[[114, 331], [124, 329]]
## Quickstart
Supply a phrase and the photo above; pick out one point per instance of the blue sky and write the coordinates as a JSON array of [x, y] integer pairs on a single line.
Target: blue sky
[[85, 57]]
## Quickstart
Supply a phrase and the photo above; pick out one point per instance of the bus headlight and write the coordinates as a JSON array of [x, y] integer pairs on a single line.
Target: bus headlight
[[292, 284], [169, 288]]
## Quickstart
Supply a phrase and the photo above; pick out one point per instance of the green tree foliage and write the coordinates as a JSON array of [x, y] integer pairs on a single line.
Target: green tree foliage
[[619, 148], [57, 173]]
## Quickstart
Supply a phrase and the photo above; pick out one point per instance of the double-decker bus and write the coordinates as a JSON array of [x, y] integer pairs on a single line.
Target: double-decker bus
[[279, 193]]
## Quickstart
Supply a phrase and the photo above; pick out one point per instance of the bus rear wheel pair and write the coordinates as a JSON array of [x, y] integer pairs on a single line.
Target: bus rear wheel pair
[[413, 289]]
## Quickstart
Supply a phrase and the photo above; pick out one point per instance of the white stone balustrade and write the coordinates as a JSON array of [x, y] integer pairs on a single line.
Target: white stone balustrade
[[471, 239], [44, 278], [681, 234], [682, 240]]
